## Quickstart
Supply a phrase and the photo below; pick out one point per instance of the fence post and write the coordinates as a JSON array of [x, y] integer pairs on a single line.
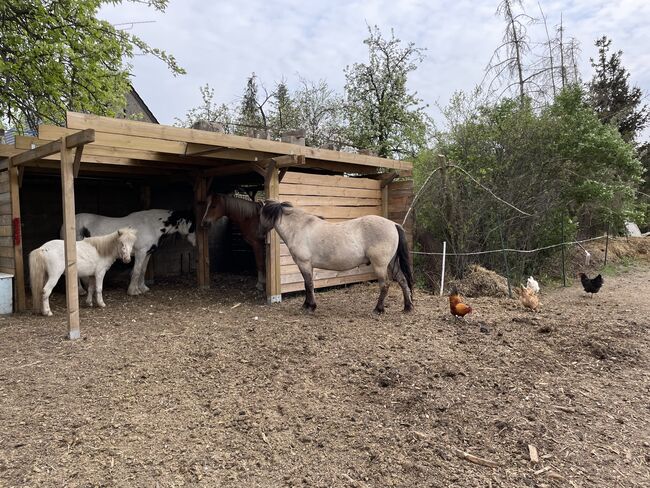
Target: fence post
[[442, 275], [505, 259], [563, 266], [606, 245]]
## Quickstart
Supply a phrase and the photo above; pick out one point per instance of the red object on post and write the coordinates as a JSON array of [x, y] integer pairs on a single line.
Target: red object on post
[[16, 222]]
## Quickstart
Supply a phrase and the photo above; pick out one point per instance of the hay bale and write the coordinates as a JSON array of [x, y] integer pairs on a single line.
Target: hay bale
[[481, 282]]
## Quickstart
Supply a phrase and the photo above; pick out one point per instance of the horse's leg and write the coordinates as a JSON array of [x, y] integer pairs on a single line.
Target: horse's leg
[[307, 271], [82, 287], [134, 289], [91, 291], [261, 265], [47, 291], [142, 286], [381, 272], [406, 291], [99, 286]]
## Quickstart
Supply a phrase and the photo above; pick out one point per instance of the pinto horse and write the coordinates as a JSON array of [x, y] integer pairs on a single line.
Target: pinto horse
[[94, 256], [246, 215], [151, 226], [315, 243]]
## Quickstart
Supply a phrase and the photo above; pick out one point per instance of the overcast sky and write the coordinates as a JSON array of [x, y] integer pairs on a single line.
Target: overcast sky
[[222, 43]]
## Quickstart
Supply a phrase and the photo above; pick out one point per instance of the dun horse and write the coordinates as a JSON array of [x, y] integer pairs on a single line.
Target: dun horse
[[315, 243], [94, 256], [246, 215]]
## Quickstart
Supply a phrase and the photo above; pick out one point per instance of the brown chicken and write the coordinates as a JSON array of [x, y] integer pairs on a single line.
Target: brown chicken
[[456, 305], [528, 298]]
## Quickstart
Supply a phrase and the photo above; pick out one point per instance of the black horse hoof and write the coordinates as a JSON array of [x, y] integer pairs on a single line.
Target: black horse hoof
[[409, 309], [310, 308], [379, 311]]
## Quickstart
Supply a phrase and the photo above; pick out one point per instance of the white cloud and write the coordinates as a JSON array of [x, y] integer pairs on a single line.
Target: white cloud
[[221, 43]]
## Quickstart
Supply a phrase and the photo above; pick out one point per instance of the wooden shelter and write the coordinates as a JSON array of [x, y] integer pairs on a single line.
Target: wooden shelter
[[332, 184]]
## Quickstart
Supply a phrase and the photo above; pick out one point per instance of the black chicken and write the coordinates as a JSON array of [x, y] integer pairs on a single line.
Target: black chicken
[[591, 285]]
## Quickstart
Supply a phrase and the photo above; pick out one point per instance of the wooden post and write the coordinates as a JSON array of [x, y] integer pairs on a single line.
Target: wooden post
[[384, 201], [505, 259], [273, 284], [19, 268], [442, 274], [563, 257], [606, 245], [70, 240], [202, 247]]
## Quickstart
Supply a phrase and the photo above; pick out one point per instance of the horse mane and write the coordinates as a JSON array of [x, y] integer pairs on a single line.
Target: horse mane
[[272, 211], [243, 208], [106, 244]]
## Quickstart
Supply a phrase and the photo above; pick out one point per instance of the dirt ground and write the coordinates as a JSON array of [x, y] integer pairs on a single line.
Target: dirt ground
[[212, 388]]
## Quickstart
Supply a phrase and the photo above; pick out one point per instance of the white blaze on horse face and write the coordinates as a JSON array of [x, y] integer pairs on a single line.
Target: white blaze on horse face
[[205, 214]]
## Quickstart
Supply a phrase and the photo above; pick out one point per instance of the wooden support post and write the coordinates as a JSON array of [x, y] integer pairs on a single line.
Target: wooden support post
[[273, 285], [19, 268], [70, 240], [202, 247], [384, 201]]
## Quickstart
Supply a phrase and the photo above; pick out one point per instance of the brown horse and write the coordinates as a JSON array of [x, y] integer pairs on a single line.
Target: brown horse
[[246, 215]]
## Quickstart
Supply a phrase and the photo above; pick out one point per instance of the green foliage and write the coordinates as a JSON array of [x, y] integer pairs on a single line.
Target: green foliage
[[560, 164], [382, 114], [56, 55], [612, 97], [210, 112]]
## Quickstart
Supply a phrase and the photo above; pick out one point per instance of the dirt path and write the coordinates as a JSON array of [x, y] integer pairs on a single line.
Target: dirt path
[[181, 388]]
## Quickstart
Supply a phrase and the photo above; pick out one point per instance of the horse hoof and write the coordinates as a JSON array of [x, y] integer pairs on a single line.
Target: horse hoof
[[409, 309], [309, 308], [378, 311], [102, 305], [82, 292], [144, 289], [133, 292], [47, 314]]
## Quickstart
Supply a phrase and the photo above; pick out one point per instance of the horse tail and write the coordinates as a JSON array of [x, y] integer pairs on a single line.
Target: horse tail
[[37, 278], [403, 256]]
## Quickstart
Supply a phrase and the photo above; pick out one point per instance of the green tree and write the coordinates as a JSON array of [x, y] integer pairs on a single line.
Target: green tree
[[284, 114], [320, 112], [210, 112], [57, 55], [382, 114], [252, 115], [611, 95]]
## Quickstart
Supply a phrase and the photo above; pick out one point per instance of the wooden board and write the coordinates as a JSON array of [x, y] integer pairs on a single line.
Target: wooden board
[[132, 128], [287, 190], [301, 200], [341, 280], [293, 177]]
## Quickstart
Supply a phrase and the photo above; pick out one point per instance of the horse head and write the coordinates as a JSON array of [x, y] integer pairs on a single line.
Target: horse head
[[126, 237], [215, 208]]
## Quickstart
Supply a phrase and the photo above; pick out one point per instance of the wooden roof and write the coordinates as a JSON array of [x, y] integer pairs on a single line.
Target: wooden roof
[[126, 146]]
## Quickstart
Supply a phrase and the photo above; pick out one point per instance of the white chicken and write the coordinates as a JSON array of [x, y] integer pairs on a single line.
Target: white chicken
[[532, 285]]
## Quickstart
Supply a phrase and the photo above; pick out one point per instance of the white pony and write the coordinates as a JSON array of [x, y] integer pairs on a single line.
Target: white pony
[[94, 256], [151, 225]]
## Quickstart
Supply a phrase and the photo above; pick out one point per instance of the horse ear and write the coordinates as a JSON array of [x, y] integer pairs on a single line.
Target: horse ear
[[119, 233]]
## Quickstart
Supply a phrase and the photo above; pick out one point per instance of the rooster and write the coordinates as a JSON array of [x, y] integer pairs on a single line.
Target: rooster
[[456, 305], [591, 285]]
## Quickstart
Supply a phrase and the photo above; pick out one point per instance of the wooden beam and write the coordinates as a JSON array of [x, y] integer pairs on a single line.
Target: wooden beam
[[387, 178], [203, 249], [273, 278], [39, 152], [233, 169], [77, 160], [19, 268], [193, 149], [80, 138], [70, 240]]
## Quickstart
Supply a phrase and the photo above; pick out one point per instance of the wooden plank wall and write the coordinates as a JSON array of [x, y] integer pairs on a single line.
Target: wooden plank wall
[[6, 229], [400, 197], [335, 198]]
